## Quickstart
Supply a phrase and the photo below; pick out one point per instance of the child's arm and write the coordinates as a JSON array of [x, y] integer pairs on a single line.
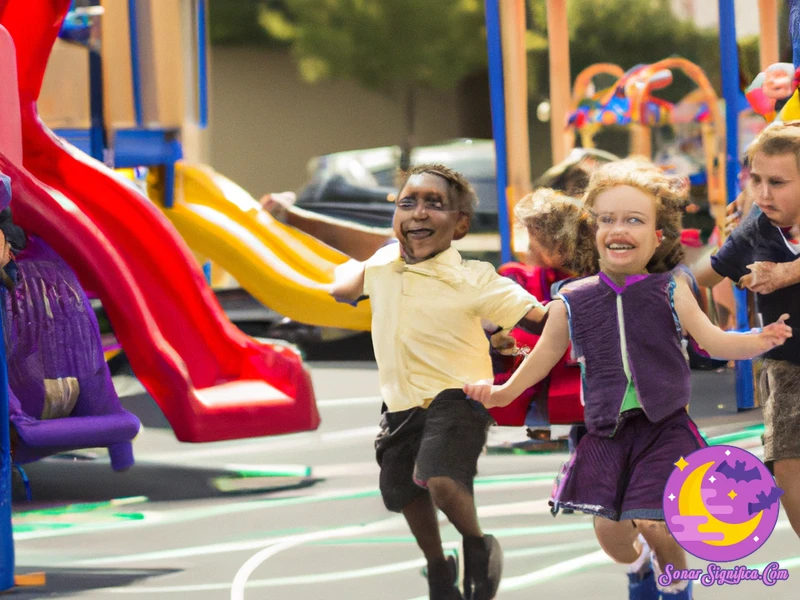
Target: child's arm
[[536, 366], [534, 321], [348, 282], [704, 273], [729, 345]]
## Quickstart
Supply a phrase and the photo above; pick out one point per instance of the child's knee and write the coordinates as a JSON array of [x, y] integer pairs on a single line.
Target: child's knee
[[446, 490], [616, 539]]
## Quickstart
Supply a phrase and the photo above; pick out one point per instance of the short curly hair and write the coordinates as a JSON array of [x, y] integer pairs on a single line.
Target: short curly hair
[[670, 193], [564, 225], [778, 138], [462, 194]]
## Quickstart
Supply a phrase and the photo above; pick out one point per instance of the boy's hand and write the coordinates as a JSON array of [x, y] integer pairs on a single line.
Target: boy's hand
[[775, 334], [503, 343], [487, 394], [766, 277], [733, 215]]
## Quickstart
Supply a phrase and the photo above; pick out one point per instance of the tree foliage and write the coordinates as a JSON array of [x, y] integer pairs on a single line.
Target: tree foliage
[[382, 43], [401, 46]]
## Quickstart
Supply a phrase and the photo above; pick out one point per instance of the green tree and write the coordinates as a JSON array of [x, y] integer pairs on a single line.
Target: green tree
[[395, 47]]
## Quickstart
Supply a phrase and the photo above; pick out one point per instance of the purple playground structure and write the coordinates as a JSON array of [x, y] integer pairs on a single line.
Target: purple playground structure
[[61, 396]]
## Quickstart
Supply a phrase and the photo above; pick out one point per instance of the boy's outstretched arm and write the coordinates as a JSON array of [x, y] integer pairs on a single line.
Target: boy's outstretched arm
[[534, 321], [729, 345], [536, 366], [348, 282], [704, 273]]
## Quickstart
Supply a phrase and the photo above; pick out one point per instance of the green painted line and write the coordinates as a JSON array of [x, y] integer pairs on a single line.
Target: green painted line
[[269, 470], [521, 477], [83, 507], [184, 515]]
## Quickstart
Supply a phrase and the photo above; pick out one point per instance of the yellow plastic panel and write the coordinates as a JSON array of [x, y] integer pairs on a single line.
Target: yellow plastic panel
[[283, 268]]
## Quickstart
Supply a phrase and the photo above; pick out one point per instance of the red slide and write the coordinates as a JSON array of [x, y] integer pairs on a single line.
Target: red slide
[[212, 381]]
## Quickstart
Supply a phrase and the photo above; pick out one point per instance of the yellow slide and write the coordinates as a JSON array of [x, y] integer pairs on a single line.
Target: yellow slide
[[282, 267]]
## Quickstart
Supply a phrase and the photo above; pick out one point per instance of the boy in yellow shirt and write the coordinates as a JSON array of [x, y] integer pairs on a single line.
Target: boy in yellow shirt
[[430, 311]]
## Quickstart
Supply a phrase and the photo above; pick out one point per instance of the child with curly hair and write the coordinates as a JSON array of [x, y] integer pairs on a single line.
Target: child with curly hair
[[561, 247], [625, 325]]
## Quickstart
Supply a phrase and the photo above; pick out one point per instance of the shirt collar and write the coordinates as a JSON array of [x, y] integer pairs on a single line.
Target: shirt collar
[[450, 257], [629, 280]]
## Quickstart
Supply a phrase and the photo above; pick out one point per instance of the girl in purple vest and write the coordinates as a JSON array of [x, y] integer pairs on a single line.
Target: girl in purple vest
[[625, 325]]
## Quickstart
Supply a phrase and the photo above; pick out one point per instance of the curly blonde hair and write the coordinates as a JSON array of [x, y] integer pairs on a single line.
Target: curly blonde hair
[[561, 224], [670, 193]]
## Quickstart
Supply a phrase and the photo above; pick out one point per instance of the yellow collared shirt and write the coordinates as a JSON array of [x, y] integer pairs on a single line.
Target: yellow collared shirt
[[426, 322]]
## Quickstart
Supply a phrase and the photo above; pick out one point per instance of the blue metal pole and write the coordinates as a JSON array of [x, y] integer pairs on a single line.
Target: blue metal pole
[[729, 61], [98, 141], [202, 65], [136, 75], [498, 102], [6, 536], [794, 30]]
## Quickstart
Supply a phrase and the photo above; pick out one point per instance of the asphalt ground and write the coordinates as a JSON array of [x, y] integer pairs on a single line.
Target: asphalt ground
[[299, 516]]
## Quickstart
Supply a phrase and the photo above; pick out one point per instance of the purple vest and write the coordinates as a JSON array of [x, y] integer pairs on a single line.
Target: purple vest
[[658, 367]]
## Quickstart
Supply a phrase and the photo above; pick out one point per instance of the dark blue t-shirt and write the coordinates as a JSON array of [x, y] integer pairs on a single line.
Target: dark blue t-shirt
[[757, 239]]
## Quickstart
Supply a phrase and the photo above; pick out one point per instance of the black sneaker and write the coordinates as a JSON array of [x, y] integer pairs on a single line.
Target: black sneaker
[[483, 567], [443, 580]]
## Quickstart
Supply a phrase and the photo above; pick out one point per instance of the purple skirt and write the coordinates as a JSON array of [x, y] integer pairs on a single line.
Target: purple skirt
[[624, 476]]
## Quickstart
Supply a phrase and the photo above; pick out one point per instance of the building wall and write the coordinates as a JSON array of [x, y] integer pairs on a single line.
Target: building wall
[[706, 14], [266, 123]]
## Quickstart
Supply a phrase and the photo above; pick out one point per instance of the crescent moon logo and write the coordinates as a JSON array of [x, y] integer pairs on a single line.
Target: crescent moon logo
[[691, 504], [721, 503]]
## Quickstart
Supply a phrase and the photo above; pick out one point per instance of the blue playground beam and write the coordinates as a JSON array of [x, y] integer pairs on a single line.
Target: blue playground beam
[[498, 104], [6, 536], [794, 30], [136, 75], [729, 62], [202, 65]]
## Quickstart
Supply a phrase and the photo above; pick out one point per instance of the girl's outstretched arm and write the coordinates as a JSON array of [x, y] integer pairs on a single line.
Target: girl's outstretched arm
[[348, 282], [544, 356], [729, 345]]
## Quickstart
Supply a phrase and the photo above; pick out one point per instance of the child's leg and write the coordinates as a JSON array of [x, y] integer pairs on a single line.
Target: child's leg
[[780, 386], [396, 449], [787, 476], [454, 436], [667, 551], [457, 503], [420, 514], [616, 539]]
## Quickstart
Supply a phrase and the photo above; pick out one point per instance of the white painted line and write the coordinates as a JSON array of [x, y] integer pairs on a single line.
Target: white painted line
[[597, 558], [339, 402], [248, 447], [347, 574], [224, 547], [513, 509], [251, 564]]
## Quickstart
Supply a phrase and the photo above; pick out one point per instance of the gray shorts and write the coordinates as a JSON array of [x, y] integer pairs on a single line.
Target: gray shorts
[[779, 385], [444, 440]]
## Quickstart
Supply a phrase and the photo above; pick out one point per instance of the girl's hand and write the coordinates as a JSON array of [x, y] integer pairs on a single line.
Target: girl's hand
[[487, 394], [775, 334]]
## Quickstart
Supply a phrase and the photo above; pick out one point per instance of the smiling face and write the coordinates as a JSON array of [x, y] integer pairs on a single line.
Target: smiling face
[[425, 220], [775, 186], [626, 230]]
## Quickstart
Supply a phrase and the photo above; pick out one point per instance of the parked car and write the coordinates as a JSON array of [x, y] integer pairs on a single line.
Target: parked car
[[354, 185]]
